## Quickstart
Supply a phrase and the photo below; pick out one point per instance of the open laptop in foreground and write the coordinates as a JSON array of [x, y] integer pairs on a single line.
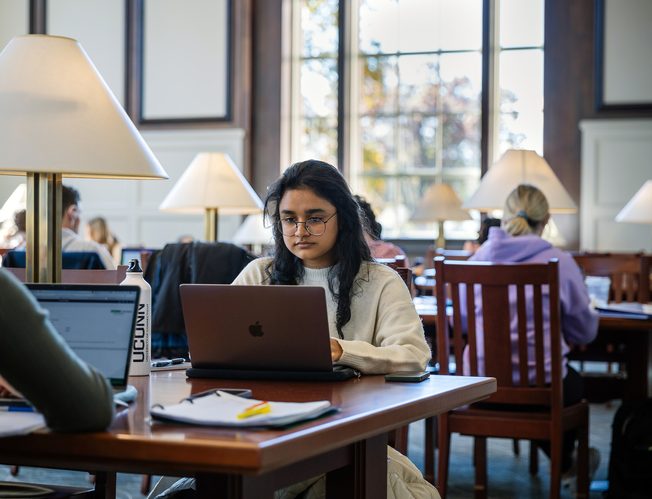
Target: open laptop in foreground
[[258, 332], [97, 322]]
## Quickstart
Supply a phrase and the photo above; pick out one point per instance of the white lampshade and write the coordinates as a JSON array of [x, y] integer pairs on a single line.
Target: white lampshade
[[253, 231], [212, 181], [15, 202], [519, 166], [57, 115], [59, 118], [439, 203], [639, 208]]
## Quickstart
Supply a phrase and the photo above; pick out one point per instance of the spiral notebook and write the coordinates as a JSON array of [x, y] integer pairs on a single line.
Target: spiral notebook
[[223, 409]]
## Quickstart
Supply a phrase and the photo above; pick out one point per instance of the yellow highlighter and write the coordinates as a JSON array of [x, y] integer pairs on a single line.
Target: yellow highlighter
[[259, 408]]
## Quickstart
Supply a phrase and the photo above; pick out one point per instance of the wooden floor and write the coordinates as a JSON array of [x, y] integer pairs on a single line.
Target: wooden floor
[[508, 475]]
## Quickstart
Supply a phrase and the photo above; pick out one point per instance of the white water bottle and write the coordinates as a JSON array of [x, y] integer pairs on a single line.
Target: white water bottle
[[141, 347]]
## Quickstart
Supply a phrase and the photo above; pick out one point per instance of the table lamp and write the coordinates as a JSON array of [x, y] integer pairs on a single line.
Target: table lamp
[[519, 166], [212, 185], [639, 208], [254, 232], [438, 204], [59, 118]]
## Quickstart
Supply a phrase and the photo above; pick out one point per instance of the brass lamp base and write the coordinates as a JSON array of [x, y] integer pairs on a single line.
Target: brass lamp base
[[211, 218], [43, 226]]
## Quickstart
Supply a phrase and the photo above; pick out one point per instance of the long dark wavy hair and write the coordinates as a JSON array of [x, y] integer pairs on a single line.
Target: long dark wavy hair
[[350, 247]]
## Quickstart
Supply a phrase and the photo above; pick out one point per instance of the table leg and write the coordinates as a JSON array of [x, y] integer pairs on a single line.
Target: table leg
[[639, 365], [233, 487], [105, 487], [366, 478]]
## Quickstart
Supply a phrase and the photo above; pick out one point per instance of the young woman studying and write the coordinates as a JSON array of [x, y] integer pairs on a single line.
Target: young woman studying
[[319, 241], [374, 326]]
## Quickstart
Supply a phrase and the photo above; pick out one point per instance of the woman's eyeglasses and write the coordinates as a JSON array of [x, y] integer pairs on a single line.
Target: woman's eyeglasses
[[314, 225]]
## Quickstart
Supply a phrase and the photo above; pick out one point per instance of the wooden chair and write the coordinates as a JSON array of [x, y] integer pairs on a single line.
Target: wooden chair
[[629, 276], [519, 409], [432, 252]]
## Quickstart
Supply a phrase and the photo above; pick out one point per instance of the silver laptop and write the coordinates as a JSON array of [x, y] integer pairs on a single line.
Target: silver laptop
[[97, 322], [257, 328]]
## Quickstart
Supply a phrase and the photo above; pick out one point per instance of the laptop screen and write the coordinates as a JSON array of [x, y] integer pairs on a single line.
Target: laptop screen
[[96, 321], [130, 253]]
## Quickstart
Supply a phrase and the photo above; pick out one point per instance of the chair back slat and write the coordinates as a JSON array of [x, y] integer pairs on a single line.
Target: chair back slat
[[514, 300], [473, 351], [496, 327], [538, 336], [522, 336], [458, 332]]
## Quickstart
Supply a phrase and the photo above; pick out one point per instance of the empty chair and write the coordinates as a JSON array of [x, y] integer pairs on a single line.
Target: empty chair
[[628, 276]]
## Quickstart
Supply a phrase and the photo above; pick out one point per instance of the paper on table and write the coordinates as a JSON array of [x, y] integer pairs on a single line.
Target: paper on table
[[626, 308], [222, 409], [20, 423]]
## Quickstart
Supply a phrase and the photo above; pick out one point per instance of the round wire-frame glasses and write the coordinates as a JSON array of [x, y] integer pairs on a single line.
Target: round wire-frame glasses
[[315, 226]]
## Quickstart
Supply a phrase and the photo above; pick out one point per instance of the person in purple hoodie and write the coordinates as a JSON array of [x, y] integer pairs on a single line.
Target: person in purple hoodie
[[518, 240]]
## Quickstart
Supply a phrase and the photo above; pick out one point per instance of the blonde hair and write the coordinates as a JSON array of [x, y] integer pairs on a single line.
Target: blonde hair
[[99, 232], [526, 208]]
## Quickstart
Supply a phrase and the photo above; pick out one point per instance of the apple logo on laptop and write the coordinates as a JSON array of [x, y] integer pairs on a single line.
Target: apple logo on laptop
[[256, 329]]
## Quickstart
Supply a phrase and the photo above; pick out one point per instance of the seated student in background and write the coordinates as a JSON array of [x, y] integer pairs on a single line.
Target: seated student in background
[[97, 229], [372, 234], [519, 240], [483, 234], [373, 324], [36, 362], [70, 239]]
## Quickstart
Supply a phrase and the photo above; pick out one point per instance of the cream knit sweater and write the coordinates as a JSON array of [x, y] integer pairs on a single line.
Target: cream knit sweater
[[384, 334]]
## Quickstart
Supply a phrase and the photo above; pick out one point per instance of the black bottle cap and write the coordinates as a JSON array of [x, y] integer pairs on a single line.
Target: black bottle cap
[[134, 266]]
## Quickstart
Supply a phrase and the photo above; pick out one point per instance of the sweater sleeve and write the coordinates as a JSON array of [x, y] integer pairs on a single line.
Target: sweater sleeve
[[72, 395], [398, 341], [254, 273], [579, 321]]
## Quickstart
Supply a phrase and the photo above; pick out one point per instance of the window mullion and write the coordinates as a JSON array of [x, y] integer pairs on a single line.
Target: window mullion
[[490, 105], [347, 35]]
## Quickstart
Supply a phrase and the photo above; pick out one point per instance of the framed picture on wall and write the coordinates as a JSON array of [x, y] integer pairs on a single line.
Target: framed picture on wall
[[623, 44], [182, 61]]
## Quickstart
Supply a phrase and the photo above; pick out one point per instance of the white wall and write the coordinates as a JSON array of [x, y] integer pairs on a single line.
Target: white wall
[[131, 207], [616, 161]]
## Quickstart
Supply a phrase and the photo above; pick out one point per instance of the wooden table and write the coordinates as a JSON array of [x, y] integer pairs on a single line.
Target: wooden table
[[631, 342], [633, 338], [348, 445]]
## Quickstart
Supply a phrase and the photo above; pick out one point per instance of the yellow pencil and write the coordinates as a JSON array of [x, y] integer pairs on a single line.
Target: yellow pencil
[[254, 410]]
